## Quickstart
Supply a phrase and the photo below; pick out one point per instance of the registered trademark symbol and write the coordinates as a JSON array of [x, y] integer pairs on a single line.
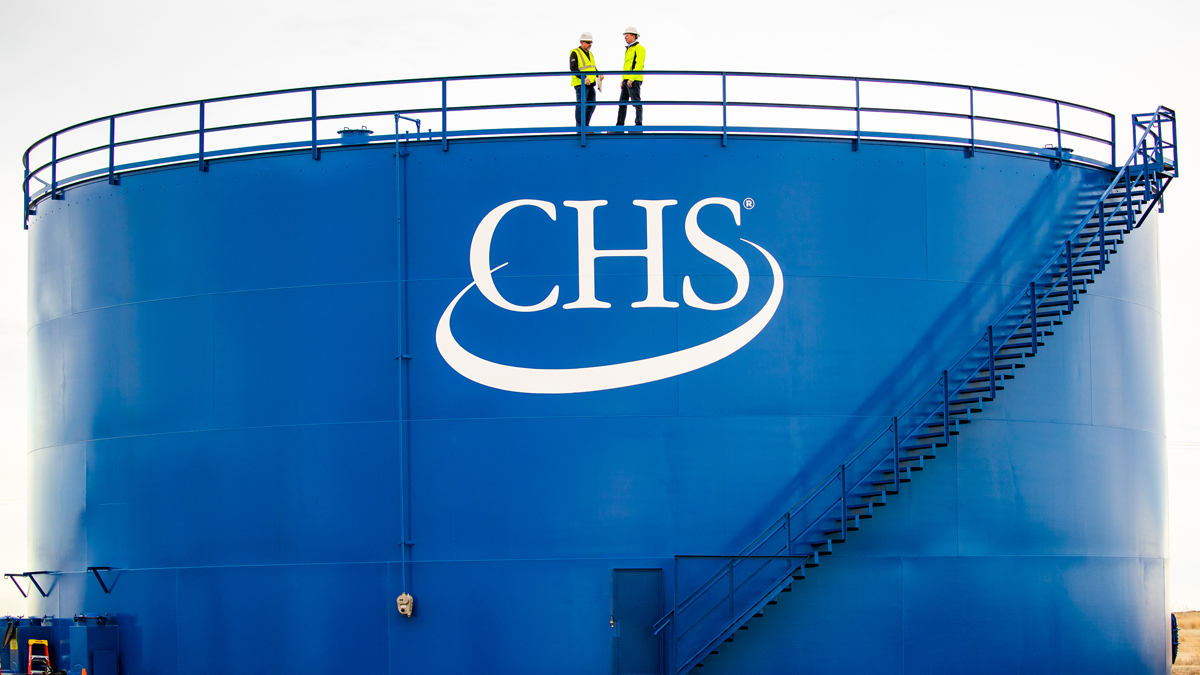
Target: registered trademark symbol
[[748, 203]]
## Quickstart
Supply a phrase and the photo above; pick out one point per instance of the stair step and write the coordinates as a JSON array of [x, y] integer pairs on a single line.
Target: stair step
[[939, 434], [758, 615], [851, 526], [1027, 335], [1000, 377], [772, 602], [1088, 241], [974, 400], [1004, 357], [1019, 345], [1094, 253], [1081, 263], [975, 390], [964, 411]]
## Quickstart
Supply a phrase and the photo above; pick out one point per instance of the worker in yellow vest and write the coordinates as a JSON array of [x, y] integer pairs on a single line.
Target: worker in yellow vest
[[631, 84], [583, 61]]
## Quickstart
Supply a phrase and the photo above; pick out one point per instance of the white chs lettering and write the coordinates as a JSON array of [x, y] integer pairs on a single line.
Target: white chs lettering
[[481, 249], [653, 253], [481, 245], [718, 252]]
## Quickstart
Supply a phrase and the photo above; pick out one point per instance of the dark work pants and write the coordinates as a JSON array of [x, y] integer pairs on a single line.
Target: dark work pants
[[630, 91], [591, 107]]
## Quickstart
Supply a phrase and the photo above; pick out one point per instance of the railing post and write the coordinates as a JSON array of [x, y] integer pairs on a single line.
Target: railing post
[[946, 406], [316, 152], [1071, 275], [200, 162], [1103, 237], [896, 450], [445, 140], [857, 116], [1033, 322], [844, 507], [1058, 131], [789, 531], [582, 110], [724, 113], [54, 167], [992, 359], [25, 215], [971, 151], [1112, 137], [1128, 202], [732, 590], [112, 148]]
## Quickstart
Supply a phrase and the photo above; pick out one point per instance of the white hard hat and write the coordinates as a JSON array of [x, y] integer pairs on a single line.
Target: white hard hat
[[586, 37], [633, 30]]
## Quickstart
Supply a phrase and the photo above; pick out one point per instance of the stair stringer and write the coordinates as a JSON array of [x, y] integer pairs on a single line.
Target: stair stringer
[[1052, 294]]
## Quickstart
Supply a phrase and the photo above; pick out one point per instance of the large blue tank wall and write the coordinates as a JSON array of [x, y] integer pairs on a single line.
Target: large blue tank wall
[[215, 409]]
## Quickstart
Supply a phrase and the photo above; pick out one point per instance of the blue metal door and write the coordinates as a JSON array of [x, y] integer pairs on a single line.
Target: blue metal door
[[637, 603]]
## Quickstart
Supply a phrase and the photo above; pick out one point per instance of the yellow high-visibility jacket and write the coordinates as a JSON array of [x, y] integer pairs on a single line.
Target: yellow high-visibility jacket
[[635, 59], [586, 62]]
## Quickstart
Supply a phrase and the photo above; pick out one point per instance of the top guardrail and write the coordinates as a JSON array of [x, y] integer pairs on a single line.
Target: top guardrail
[[852, 108]]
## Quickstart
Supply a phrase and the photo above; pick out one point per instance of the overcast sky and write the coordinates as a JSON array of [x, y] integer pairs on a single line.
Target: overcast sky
[[64, 61]]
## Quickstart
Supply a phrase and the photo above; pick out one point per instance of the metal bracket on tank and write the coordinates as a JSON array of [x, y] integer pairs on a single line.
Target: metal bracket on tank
[[14, 580], [96, 571], [30, 577]]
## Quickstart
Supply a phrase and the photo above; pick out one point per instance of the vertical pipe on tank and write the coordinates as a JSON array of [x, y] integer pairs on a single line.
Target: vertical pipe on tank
[[402, 354]]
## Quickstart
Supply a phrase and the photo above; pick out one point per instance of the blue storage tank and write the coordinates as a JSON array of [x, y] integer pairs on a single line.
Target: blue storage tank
[[596, 358]]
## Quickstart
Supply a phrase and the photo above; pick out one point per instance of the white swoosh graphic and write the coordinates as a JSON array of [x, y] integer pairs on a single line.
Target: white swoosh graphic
[[613, 376]]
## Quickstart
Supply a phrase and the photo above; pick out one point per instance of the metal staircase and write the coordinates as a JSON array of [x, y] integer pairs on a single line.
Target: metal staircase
[[730, 591]]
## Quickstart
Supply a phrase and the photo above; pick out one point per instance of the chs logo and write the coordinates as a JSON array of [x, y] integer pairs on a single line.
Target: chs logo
[[616, 375]]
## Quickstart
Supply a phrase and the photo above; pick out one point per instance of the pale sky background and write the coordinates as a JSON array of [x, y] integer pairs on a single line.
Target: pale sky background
[[64, 61]]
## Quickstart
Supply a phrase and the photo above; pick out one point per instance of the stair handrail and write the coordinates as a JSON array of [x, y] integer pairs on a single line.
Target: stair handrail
[[1154, 164]]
